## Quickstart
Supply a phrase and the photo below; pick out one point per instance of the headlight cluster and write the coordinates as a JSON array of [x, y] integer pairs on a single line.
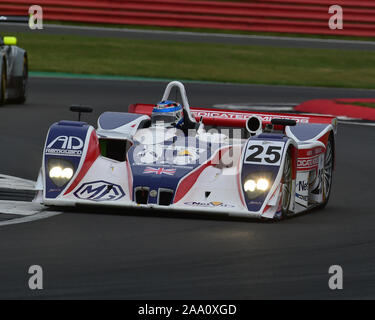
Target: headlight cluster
[[60, 171], [256, 185], [63, 173], [261, 184]]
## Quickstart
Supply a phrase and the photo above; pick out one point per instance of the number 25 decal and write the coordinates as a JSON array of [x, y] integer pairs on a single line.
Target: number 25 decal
[[271, 155]]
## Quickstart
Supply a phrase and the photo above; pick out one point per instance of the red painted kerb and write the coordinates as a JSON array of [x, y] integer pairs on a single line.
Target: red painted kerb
[[339, 107]]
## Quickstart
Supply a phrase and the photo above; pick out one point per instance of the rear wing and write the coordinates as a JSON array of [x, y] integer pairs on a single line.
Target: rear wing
[[238, 118]]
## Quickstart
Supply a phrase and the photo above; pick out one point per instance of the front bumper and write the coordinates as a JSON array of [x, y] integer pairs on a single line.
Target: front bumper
[[229, 212]]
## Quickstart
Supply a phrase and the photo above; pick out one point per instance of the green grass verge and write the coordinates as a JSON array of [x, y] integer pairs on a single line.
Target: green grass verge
[[198, 61]]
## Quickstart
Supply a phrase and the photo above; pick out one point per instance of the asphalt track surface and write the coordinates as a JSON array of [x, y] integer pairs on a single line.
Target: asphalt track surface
[[134, 255], [235, 39]]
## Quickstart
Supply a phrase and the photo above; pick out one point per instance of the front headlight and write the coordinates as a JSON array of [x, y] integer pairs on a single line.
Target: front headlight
[[63, 173], [261, 184], [256, 185], [60, 171], [250, 185]]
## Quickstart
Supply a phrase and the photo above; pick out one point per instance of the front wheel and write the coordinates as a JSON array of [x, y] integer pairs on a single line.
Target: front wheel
[[327, 173]]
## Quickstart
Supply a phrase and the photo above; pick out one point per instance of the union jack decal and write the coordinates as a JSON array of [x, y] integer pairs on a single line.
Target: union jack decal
[[169, 172]]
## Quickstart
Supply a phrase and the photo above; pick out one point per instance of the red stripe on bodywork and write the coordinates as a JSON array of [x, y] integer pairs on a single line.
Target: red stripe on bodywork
[[235, 118], [294, 151], [265, 209], [273, 194], [188, 181], [325, 138], [130, 179], [93, 152], [239, 182]]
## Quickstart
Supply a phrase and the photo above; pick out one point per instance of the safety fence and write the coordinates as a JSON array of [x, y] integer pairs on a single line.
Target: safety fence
[[281, 16]]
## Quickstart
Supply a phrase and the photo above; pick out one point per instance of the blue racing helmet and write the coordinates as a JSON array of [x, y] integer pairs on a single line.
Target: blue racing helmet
[[168, 114]]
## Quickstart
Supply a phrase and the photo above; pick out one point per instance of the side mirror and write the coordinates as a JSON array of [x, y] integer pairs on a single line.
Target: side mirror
[[80, 109], [10, 41]]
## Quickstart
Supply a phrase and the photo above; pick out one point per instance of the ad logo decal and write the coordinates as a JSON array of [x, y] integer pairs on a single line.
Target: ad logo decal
[[65, 146]]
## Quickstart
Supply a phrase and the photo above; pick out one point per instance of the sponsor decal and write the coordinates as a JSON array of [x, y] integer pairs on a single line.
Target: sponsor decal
[[216, 204], [303, 186], [99, 191], [308, 163], [300, 196], [303, 154], [65, 146], [160, 171], [244, 116], [186, 155]]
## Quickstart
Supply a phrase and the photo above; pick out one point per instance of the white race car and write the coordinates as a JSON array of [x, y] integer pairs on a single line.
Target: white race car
[[283, 166]]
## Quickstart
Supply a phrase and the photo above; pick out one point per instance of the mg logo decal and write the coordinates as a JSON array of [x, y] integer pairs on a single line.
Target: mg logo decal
[[99, 191]]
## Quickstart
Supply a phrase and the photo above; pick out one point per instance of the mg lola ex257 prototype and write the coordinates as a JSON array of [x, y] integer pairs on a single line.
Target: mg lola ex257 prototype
[[282, 167]]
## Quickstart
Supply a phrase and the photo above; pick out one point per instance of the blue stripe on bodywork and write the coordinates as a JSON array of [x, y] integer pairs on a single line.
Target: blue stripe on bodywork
[[309, 131], [154, 181], [256, 170], [113, 120], [249, 171], [63, 129]]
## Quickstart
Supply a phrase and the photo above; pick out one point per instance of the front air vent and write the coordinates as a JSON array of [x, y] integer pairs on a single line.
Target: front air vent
[[114, 149], [165, 197], [141, 195]]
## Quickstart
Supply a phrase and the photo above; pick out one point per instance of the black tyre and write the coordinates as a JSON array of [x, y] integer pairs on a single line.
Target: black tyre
[[23, 90], [3, 88], [327, 174], [287, 184]]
